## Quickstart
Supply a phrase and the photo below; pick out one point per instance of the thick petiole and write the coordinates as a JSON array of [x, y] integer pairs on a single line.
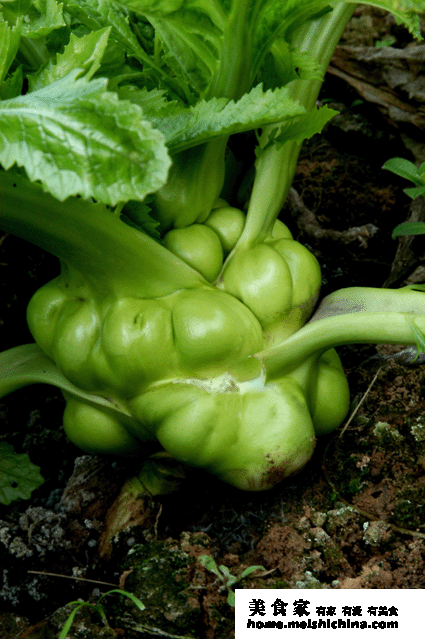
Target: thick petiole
[[92, 240], [351, 316], [275, 167]]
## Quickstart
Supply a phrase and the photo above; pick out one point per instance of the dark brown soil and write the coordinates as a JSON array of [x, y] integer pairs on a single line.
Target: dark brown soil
[[354, 518]]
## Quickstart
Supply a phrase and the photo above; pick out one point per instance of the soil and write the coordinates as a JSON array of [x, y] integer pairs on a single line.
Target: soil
[[355, 516]]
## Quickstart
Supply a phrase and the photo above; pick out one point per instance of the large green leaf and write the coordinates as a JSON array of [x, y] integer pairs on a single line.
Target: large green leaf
[[78, 139], [185, 127]]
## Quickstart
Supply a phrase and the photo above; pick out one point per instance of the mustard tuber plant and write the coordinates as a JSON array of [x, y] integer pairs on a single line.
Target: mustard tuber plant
[[180, 318]]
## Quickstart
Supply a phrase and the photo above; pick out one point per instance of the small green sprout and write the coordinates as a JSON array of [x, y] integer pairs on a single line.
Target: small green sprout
[[98, 608], [223, 573]]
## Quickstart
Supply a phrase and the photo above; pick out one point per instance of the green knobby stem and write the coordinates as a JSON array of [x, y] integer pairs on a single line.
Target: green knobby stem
[[275, 166], [92, 240], [363, 321]]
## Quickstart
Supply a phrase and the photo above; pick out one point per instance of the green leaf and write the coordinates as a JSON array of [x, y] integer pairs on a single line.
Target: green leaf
[[41, 16], [210, 565], [83, 53], [124, 593], [9, 43], [99, 14], [139, 215], [190, 32], [98, 607], [18, 476], [151, 101], [202, 43], [68, 623], [277, 19], [186, 127], [284, 64], [405, 169], [78, 139], [232, 580], [249, 570], [298, 129], [415, 191], [409, 228], [200, 46], [406, 12], [11, 87], [50, 18]]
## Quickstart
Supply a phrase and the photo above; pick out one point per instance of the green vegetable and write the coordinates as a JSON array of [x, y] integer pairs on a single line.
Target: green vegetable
[[178, 320], [165, 360]]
